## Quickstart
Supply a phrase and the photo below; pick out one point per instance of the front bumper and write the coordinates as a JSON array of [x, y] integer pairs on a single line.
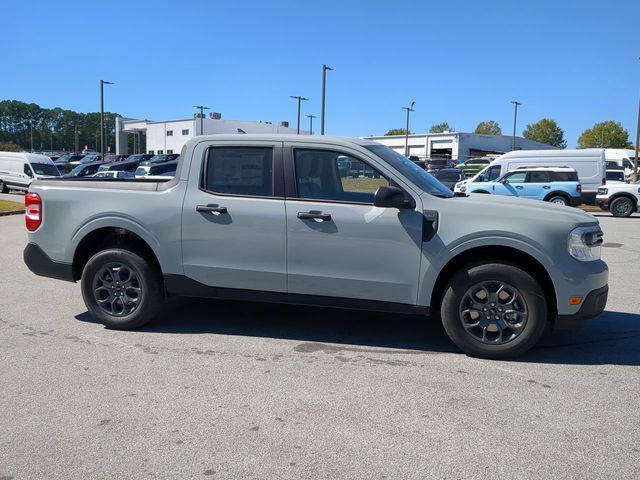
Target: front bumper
[[603, 203], [592, 306], [40, 264]]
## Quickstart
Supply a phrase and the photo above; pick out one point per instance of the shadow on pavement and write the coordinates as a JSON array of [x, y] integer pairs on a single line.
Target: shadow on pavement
[[612, 338]]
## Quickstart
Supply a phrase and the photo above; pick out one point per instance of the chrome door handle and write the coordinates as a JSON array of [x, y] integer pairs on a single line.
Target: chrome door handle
[[323, 217], [215, 209]]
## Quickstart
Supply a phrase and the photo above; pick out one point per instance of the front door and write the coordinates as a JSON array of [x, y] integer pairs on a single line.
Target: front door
[[511, 184], [338, 243], [233, 221]]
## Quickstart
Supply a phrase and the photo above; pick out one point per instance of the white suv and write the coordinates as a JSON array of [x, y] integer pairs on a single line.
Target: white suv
[[621, 199]]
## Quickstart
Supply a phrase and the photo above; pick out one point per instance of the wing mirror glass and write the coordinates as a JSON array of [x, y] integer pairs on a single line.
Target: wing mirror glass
[[391, 197]]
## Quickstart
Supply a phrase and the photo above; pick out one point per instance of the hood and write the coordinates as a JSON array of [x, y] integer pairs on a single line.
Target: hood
[[504, 209]]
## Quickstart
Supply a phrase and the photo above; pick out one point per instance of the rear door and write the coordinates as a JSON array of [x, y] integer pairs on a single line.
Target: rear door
[[233, 220], [536, 185], [338, 243]]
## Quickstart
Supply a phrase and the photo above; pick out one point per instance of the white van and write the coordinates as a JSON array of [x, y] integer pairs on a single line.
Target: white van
[[589, 163], [620, 158], [19, 169]]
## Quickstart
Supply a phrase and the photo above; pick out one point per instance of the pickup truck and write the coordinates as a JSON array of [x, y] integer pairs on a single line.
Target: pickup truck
[[270, 218], [621, 199]]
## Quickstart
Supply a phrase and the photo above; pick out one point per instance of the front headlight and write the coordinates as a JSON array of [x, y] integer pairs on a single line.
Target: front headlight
[[463, 189], [584, 243]]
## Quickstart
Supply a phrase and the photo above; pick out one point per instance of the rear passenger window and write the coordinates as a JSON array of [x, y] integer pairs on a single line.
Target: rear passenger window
[[538, 177], [239, 171], [564, 177]]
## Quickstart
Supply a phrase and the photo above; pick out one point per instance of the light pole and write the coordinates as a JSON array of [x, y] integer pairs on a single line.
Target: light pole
[[310, 117], [102, 84], [31, 134], [635, 160], [202, 108], [324, 86], [51, 143], [300, 99], [406, 133], [76, 138], [515, 119]]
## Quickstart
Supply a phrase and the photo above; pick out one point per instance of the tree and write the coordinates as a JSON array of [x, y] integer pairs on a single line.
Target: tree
[[545, 131], [397, 131], [490, 127], [441, 128], [607, 134], [9, 147]]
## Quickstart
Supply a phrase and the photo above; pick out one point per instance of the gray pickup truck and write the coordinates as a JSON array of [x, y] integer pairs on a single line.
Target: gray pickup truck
[[271, 218]]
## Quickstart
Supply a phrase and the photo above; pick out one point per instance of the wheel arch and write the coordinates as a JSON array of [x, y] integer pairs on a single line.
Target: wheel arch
[[558, 193], [630, 196], [502, 254]]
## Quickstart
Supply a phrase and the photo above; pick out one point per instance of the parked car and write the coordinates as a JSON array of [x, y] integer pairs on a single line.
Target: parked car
[[620, 158], [161, 158], [615, 176], [268, 218], [122, 174], [473, 165], [449, 176], [128, 165], [144, 171], [112, 157], [19, 169], [621, 199], [432, 165], [140, 157], [84, 170], [557, 185], [589, 163], [66, 162]]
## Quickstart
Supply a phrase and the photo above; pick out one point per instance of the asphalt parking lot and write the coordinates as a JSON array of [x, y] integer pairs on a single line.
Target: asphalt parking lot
[[218, 389]]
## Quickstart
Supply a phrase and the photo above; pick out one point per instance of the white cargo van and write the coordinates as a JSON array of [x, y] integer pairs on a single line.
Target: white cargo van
[[589, 163], [620, 158], [19, 169]]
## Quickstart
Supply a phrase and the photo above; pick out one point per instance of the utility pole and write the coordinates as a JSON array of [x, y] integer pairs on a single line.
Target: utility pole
[[31, 125], [300, 99], [311, 117], [102, 84], [324, 85], [51, 144], [406, 133], [76, 138], [635, 160], [202, 108], [515, 120]]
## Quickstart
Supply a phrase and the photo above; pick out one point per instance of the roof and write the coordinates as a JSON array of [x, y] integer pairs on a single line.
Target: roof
[[545, 169], [569, 153], [279, 137]]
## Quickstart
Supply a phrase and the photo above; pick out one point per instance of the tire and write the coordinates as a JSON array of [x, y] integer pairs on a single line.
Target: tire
[[559, 200], [622, 207], [119, 296], [3, 187], [528, 310]]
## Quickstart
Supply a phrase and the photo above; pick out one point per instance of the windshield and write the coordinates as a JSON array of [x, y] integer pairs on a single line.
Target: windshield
[[413, 172], [142, 170], [45, 169]]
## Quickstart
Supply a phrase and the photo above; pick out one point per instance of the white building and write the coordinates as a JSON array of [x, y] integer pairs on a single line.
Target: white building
[[170, 135], [457, 145]]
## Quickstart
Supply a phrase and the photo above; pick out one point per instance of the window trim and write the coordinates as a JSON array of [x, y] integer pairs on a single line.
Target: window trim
[[291, 180], [277, 180]]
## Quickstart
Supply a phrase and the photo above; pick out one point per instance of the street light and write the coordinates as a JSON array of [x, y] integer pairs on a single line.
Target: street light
[[310, 117], [102, 84], [634, 177], [31, 126], [324, 84], [202, 108], [515, 119], [406, 133], [300, 99]]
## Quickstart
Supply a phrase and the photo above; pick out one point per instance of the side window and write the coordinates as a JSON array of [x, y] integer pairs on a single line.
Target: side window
[[239, 171], [27, 170], [537, 177], [626, 163], [493, 173], [517, 177], [328, 175], [564, 177]]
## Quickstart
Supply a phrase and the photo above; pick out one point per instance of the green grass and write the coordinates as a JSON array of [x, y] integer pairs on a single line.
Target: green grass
[[7, 206], [590, 208], [364, 184]]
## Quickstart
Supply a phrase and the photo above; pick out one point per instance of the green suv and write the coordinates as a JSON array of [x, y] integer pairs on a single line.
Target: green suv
[[474, 165]]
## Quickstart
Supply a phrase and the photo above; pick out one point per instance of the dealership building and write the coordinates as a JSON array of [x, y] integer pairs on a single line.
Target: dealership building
[[169, 136], [457, 145]]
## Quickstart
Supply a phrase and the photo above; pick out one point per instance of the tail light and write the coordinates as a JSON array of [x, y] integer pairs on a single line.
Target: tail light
[[579, 188], [33, 211]]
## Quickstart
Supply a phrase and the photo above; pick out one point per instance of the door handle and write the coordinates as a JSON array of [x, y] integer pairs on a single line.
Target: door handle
[[519, 187], [215, 209], [323, 217], [546, 187]]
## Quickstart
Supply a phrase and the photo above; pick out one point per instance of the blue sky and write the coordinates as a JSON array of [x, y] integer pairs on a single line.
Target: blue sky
[[462, 62]]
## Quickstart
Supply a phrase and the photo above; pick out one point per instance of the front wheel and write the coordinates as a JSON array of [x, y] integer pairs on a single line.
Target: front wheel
[[121, 289], [621, 207], [494, 311]]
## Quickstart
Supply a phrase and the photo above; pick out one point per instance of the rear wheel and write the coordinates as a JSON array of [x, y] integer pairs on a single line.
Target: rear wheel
[[559, 200], [621, 207], [494, 310], [121, 289]]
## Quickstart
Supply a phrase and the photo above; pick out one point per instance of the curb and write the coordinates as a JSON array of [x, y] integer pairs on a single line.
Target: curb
[[14, 212]]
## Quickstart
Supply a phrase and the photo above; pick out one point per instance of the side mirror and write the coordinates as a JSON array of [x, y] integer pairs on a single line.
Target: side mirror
[[390, 197]]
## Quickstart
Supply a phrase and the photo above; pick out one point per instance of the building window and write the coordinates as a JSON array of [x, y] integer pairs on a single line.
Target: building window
[[160, 152], [151, 152], [169, 133], [185, 131], [169, 151]]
